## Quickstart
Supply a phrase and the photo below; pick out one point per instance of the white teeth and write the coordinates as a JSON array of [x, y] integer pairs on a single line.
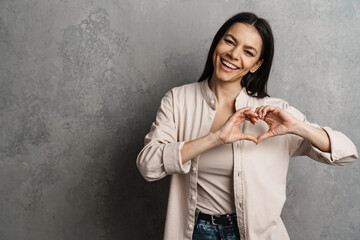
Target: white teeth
[[228, 64]]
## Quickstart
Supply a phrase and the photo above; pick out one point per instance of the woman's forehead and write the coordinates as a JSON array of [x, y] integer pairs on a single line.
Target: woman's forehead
[[245, 33]]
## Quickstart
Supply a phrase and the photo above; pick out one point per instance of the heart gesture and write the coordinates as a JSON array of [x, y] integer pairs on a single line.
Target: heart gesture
[[279, 121], [230, 131]]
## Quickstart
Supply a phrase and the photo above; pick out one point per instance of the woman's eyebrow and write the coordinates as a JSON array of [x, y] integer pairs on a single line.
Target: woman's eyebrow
[[250, 47], [233, 38], [236, 41]]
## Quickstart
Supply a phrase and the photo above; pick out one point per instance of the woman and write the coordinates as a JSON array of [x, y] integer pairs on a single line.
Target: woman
[[227, 144]]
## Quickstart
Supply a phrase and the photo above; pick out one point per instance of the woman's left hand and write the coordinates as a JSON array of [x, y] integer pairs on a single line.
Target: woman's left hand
[[279, 121]]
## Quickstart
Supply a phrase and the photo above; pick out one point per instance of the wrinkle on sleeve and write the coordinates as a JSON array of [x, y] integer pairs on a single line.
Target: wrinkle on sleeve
[[342, 149], [161, 154]]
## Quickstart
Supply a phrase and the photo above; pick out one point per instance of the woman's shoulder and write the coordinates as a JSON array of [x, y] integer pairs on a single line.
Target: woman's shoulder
[[278, 102], [185, 90], [273, 101], [186, 87]]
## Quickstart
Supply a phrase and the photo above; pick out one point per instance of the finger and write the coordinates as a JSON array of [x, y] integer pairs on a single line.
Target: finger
[[269, 109], [244, 109], [246, 114], [239, 121], [239, 112], [265, 110], [250, 137], [251, 119], [251, 113], [260, 111], [239, 115], [254, 121], [264, 136]]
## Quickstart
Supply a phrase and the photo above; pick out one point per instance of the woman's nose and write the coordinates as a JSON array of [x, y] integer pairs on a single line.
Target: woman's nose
[[235, 54]]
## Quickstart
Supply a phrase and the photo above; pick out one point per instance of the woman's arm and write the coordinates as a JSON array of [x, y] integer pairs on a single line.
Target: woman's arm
[[317, 136], [281, 122], [162, 154], [322, 144], [196, 147]]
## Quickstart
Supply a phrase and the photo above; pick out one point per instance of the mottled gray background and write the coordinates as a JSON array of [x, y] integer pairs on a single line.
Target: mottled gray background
[[81, 81]]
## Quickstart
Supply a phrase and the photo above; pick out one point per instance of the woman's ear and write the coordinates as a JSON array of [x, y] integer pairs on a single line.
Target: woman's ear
[[256, 66]]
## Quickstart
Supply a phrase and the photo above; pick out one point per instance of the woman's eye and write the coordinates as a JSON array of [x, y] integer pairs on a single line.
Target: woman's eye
[[229, 41], [249, 53]]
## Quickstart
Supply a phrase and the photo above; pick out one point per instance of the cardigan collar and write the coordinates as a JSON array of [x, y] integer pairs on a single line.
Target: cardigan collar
[[211, 100]]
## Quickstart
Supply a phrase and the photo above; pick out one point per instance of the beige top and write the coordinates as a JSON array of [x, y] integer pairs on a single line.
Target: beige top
[[215, 186], [259, 175]]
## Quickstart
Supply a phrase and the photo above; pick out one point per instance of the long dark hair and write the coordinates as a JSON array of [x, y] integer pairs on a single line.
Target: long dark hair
[[255, 83]]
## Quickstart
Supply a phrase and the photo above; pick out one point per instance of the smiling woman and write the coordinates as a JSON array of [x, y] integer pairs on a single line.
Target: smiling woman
[[237, 55], [227, 144]]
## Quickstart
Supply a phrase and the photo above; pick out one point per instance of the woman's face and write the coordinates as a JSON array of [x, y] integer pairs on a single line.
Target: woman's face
[[237, 53]]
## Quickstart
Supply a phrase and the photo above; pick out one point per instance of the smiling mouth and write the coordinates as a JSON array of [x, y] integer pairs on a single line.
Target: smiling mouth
[[228, 64]]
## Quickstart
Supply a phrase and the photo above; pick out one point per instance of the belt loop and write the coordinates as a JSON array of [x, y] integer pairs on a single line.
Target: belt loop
[[196, 215]]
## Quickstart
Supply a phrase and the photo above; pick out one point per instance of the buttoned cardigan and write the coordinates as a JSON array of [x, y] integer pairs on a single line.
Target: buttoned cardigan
[[259, 175]]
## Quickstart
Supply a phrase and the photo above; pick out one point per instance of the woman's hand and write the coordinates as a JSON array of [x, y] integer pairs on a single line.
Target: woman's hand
[[230, 131], [279, 121]]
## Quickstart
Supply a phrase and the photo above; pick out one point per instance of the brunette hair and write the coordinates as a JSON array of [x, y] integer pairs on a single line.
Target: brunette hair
[[255, 83]]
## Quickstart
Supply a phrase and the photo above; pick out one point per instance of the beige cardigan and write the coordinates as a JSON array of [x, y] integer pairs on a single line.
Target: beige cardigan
[[186, 113]]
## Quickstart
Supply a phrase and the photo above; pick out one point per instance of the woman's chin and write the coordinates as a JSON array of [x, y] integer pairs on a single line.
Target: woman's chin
[[226, 78]]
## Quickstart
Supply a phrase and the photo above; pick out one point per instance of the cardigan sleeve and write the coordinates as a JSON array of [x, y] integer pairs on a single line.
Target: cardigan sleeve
[[342, 149], [161, 154]]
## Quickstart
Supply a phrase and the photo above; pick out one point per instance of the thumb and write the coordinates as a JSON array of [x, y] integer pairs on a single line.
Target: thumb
[[264, 136], [250, 137]]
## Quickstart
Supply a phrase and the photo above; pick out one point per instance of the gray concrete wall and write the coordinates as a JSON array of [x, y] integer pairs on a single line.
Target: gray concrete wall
[[80, 85]]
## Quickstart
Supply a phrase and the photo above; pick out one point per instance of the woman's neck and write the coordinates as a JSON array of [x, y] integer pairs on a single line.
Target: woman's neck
[[225, 92]]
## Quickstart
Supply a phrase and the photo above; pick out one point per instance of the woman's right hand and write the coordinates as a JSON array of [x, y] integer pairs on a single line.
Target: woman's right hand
[[230, 131]]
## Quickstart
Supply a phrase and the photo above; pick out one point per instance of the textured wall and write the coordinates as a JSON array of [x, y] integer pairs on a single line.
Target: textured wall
[[81, 81]]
